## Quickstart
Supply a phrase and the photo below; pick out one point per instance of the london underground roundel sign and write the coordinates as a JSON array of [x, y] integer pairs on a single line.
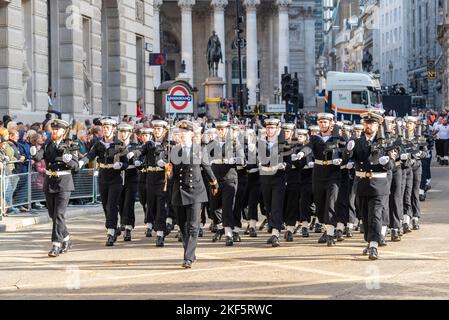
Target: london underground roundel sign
[[179, 99]]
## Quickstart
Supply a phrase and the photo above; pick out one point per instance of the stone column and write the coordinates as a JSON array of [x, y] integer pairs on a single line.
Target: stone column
[[283, 41], [251, 49], [187, 41], [11, 60], [219, 27], [156, 41], [309, 70]]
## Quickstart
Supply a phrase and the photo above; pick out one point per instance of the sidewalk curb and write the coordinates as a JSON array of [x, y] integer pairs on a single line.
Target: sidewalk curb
[[13, 224]]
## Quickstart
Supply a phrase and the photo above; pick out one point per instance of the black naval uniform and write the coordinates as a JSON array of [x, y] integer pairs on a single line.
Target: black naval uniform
[[152, 153], [292, 191], [305, 165], [110, 181], [189, 192], [58, 185], [372, 188]]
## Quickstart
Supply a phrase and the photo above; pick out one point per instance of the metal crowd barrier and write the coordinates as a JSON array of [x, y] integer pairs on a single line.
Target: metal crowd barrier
[[26, 189]]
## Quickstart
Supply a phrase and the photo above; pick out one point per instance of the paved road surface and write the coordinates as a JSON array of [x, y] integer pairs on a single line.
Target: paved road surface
[[417, 267]]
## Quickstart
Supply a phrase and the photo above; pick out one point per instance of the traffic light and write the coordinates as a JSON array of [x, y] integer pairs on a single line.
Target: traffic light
[[246, 94], [158, 59], [286, 84], [295, 90]]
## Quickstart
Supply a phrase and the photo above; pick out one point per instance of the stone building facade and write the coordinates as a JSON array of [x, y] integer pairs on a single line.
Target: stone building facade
[[90, 52], [278, 33]]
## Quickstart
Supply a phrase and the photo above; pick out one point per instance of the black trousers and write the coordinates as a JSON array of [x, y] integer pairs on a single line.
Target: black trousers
[[157, 206], [127, 203], [411, 192], [273, 193], [110, 197], [189, 223], [386, 211], [253, 194], [305, 202], [426, 172], [325, 195], [372, 209], [352, 207], [225, 200], [142, 191], [395, 200], [344, 192], [57, 204], [439, 147], [291, 204], [240, 200]]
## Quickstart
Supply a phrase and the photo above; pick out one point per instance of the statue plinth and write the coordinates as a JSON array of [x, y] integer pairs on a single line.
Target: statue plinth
[[214, 94]]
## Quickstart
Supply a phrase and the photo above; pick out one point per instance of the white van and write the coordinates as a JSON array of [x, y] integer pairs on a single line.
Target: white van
[[350, 94]]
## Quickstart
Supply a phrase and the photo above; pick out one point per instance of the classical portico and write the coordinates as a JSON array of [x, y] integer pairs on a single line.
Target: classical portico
[[275, 33]]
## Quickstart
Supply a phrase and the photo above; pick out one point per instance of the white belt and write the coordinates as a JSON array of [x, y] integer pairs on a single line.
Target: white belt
[[240, 167], [155, 169], [269, 169], [217, 161], [370, 175], [57, 173], [131, 167], [323, 163], [253, 170]]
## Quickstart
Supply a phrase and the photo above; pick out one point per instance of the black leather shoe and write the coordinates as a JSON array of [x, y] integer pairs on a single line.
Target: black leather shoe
[[252, 233], [323, 238], [263, 225], [339, 235], [348, 232], [200, 233], [401, 231], [422, 197], [406, 228], [383, 242], [269, 229], [236, 237], [118, 231], [247, 231], [159, 241], [127, 236], [187, 264], [373, 253], [54, 252], [218, 235], [330, 241], [148, 233], [122, 227], [365, 251], [274, 241], [415, 224], [110, 241], [66, 245], [318, 228], [229, 241], [213, 228], [357, 226], [169, 228], [305, 232], [288, 236], [395, 237]]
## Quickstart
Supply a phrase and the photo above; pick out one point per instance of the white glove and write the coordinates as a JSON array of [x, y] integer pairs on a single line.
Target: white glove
[[137, 163], [33, 150], [337, 162], [404, 156], [251, 147], [239, 161], [311, 164], [231, 161], [350, 165], [67, 157], [118, 165], [301, 155], [80, 164], [294, 157], [350, 146], [384, 160], [161, 163], [281, 166], [130, 155]]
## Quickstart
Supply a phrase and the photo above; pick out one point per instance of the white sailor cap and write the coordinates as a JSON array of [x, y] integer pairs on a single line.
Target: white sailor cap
[[272, 122], [59, 124], [347, 127], [146, 130], [125, 127], [108, 121], [221, 124], [303, 132], [358, 127], [411, 119], [211, 131], [372, 116], [325, 116], [235, 127], [288, 126], [159, 123]]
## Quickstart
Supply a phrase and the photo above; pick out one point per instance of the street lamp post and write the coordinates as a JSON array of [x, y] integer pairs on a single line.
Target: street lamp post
[[239, 53]]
